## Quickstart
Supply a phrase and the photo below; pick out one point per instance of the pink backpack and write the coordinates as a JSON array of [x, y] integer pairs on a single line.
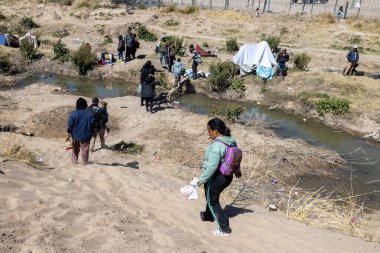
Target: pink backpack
[[231, 161]]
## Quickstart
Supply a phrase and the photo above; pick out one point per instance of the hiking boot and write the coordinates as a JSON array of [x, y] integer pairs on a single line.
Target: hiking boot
[[203, 218]]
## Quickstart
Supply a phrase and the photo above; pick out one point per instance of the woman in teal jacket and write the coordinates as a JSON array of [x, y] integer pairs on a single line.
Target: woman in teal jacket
[[214, 181]]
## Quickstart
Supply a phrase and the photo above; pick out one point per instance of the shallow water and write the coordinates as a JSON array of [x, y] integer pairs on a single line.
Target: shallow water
[[364, 155]]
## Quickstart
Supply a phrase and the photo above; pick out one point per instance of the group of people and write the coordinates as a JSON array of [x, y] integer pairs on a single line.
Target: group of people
[[167, 56], [129, 44], [85, 124]]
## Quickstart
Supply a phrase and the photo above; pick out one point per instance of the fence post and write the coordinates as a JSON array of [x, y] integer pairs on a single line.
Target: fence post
[[248, 4], [303, 7], [193, 2], [360, 5], [312, 7], [345, 11], [210, 4], [290, 6], [268, 9], [253, 4], [265, 4], [259, 3], [336, 3]]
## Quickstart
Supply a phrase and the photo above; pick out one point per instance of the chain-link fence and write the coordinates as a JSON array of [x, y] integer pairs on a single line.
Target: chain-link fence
[[352, 8]]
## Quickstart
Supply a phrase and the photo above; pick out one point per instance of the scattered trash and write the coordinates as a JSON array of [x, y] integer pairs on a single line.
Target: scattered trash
[[273, 107], [122, 232], [354, 219], [190, 191], [280, 190], [40, 159], [272, 207], [70, 179], [304, 120], [274, 181]]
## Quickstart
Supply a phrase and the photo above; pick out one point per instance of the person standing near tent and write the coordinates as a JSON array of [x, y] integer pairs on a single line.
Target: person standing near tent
[[212, 178], [282, 58], [120, 48], [79, 127]]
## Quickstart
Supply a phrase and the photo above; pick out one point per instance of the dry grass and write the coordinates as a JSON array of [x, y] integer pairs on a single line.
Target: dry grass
[[231, 15], [369, 25], [325, 18], [320, 210], [12, 150]]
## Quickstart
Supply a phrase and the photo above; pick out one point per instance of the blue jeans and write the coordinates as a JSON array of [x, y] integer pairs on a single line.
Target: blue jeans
[[120, 55], [163, 55]]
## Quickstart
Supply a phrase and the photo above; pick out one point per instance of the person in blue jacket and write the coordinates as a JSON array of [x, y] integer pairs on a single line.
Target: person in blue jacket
[[353, 59], [80, 127], [214, 181]]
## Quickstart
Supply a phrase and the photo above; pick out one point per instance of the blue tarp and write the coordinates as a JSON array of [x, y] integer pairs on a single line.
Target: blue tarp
[[3, 40], [264, 72]]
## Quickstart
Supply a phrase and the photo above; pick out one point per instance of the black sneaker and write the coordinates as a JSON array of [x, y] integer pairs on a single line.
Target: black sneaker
[[203, 218]]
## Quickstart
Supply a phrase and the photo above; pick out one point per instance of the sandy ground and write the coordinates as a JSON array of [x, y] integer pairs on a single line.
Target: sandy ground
[[130, 203]]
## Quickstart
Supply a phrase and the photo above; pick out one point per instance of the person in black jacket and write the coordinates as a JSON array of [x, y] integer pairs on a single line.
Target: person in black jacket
[[282, 58], [120, 48], [148, 83], [353, 59]]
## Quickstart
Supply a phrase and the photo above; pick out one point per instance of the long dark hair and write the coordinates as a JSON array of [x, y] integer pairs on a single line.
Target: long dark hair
[[81, 104], [219, 125]]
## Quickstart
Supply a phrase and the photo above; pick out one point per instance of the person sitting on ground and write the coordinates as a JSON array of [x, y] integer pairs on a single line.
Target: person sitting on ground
[[178, 70], [353, 59], [120, 48], [212, 178], [80, 128], [282, 58], [103, 112]]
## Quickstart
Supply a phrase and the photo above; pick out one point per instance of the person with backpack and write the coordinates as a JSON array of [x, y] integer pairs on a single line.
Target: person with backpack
[[79, 128], [221, 162], [98, 129], [178, 70], [196, 59], [120, 48]]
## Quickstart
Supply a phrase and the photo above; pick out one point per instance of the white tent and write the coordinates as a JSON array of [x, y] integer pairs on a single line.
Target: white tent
[[251, 55]]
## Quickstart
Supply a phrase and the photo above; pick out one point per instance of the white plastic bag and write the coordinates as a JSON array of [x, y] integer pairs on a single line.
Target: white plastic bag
[[190, 192], [139, 88]]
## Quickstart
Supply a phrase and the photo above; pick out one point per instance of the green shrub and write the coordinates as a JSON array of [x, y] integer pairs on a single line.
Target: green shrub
[[4, 29], [5, 64], [233, 112], [273, 41], [83, 59], [232, 45], [336, 106], [142, 6], [171, 22], [355, 40], [205, 44], [180, 49], [20, 30], [60, 33], [128, 148], [83, 5], [108, 40], [171, 8], [221, 75], [144, 34], [189, 10], [163, 80], [62, 2], [2, 17], [237, 85], [61, 52], [284, 31], [27, 50], [28, 23], [301, 61]]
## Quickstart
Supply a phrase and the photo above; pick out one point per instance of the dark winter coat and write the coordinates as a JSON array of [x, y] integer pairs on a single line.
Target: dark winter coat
[[121, 45], [149, 89], [80, 125], [129, 40], [282, 58], [146, 72], [353, 56]]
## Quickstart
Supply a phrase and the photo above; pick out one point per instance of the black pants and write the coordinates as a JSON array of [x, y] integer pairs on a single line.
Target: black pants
[[128, 53], [171, 62], [142, 101], [194, 67], [149, 103], [213, 189]]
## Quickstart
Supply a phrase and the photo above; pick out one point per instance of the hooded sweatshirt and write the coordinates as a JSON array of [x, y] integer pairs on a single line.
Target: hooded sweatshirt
[[214, 155], [177, 69]]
